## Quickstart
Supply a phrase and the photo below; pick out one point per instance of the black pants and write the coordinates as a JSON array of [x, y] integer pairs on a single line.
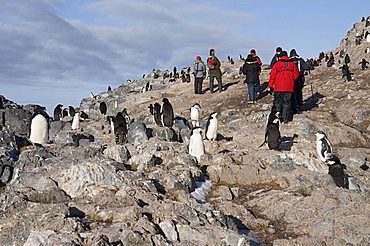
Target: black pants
[[297, 97], [282, 102], [198, 85]]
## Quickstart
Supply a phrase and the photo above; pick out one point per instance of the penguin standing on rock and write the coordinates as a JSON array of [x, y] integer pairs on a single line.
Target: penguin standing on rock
[[39, 127], [58, 112], [65, 112], [120, 128], [157, 114], [194, 115], [76, 121], [103, 108], [196, 145], [336, 170], [167, 113], [323, 146], [272, 132], [71, 111], [127, 117], [211, 127]]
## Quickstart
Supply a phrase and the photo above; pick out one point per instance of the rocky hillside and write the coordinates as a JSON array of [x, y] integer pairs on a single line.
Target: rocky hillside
[[356, 44], [83, 189]]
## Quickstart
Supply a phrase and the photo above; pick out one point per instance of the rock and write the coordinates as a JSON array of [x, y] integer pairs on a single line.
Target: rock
[[164, 133], [48, 196], [117, 152], [71, 138], [143, 162], [137, 133], [55, 128], [18, 121], [185, 135], [223, 192], [169, 229]]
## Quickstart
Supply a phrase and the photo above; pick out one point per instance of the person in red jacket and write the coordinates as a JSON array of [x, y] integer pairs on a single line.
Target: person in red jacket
[[282, 77]]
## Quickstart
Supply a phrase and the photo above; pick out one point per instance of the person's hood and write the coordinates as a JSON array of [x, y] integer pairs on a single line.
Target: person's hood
[[251, 60], [284, 58], [198, 61], [293, 52]]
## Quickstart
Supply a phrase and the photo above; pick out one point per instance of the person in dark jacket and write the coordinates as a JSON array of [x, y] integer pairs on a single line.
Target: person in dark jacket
[[364, 64], [214, 65], [302, 66], [282, 77], [199, 74], [251, 69], [276, 56]]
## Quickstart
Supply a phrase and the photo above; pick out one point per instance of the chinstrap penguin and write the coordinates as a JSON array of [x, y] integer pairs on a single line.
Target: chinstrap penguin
[[323, 146], [211, 127], [196, 145], [194, 115]]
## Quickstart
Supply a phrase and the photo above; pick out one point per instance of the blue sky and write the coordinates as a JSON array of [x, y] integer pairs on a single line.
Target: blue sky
[[58, 51]]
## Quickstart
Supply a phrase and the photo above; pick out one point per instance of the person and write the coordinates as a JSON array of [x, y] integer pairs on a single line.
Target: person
[[364, 64], [282, 77], [214, 65], [251, 69], [297, 99], [199, 74], [276, 57], [254, 54]]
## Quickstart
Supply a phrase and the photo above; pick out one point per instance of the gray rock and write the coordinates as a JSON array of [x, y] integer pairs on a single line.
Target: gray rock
[[137, 133], [72, 138], [55, 128], [18, 121], [48, 197], [169, 229], [164, 133], [143, 162], [117, 152], [223, 192], [185, 135]]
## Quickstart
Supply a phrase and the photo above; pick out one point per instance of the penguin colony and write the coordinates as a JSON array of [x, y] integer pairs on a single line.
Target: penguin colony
[[164, 116]]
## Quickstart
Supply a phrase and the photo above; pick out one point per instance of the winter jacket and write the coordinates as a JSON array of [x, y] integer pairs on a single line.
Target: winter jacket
[[274, 59], [216, 71], [300, 63], [199, 69], [251, 69], [283, 75]]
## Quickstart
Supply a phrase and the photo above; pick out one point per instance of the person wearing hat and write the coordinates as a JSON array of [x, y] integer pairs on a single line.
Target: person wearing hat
[[199, 74], [297, 99], [276, 57], [254, 54], [251, 69], [282, 77], [214, 70]]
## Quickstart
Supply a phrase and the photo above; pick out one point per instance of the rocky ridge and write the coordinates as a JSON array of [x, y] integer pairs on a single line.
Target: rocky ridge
[[83, 189]]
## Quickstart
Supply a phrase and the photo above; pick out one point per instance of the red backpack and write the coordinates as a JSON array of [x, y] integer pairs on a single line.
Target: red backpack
[[210, 63]]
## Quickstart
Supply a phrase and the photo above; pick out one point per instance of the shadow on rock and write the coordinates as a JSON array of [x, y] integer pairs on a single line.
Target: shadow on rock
[[226, 86], [221, 137], [312, 101], [286, 143]]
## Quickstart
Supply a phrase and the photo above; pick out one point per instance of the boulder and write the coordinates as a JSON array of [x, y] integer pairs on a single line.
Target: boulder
[[117, 152], [137, 133], [18, 121]]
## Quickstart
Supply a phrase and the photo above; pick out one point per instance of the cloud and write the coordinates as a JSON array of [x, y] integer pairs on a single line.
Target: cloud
[[54, 44]]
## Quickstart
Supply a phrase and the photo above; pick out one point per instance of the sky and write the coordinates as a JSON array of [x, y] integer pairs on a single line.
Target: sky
[[58, 51]]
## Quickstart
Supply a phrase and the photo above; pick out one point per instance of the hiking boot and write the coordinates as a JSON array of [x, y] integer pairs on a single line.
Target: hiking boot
[[250, 102]]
